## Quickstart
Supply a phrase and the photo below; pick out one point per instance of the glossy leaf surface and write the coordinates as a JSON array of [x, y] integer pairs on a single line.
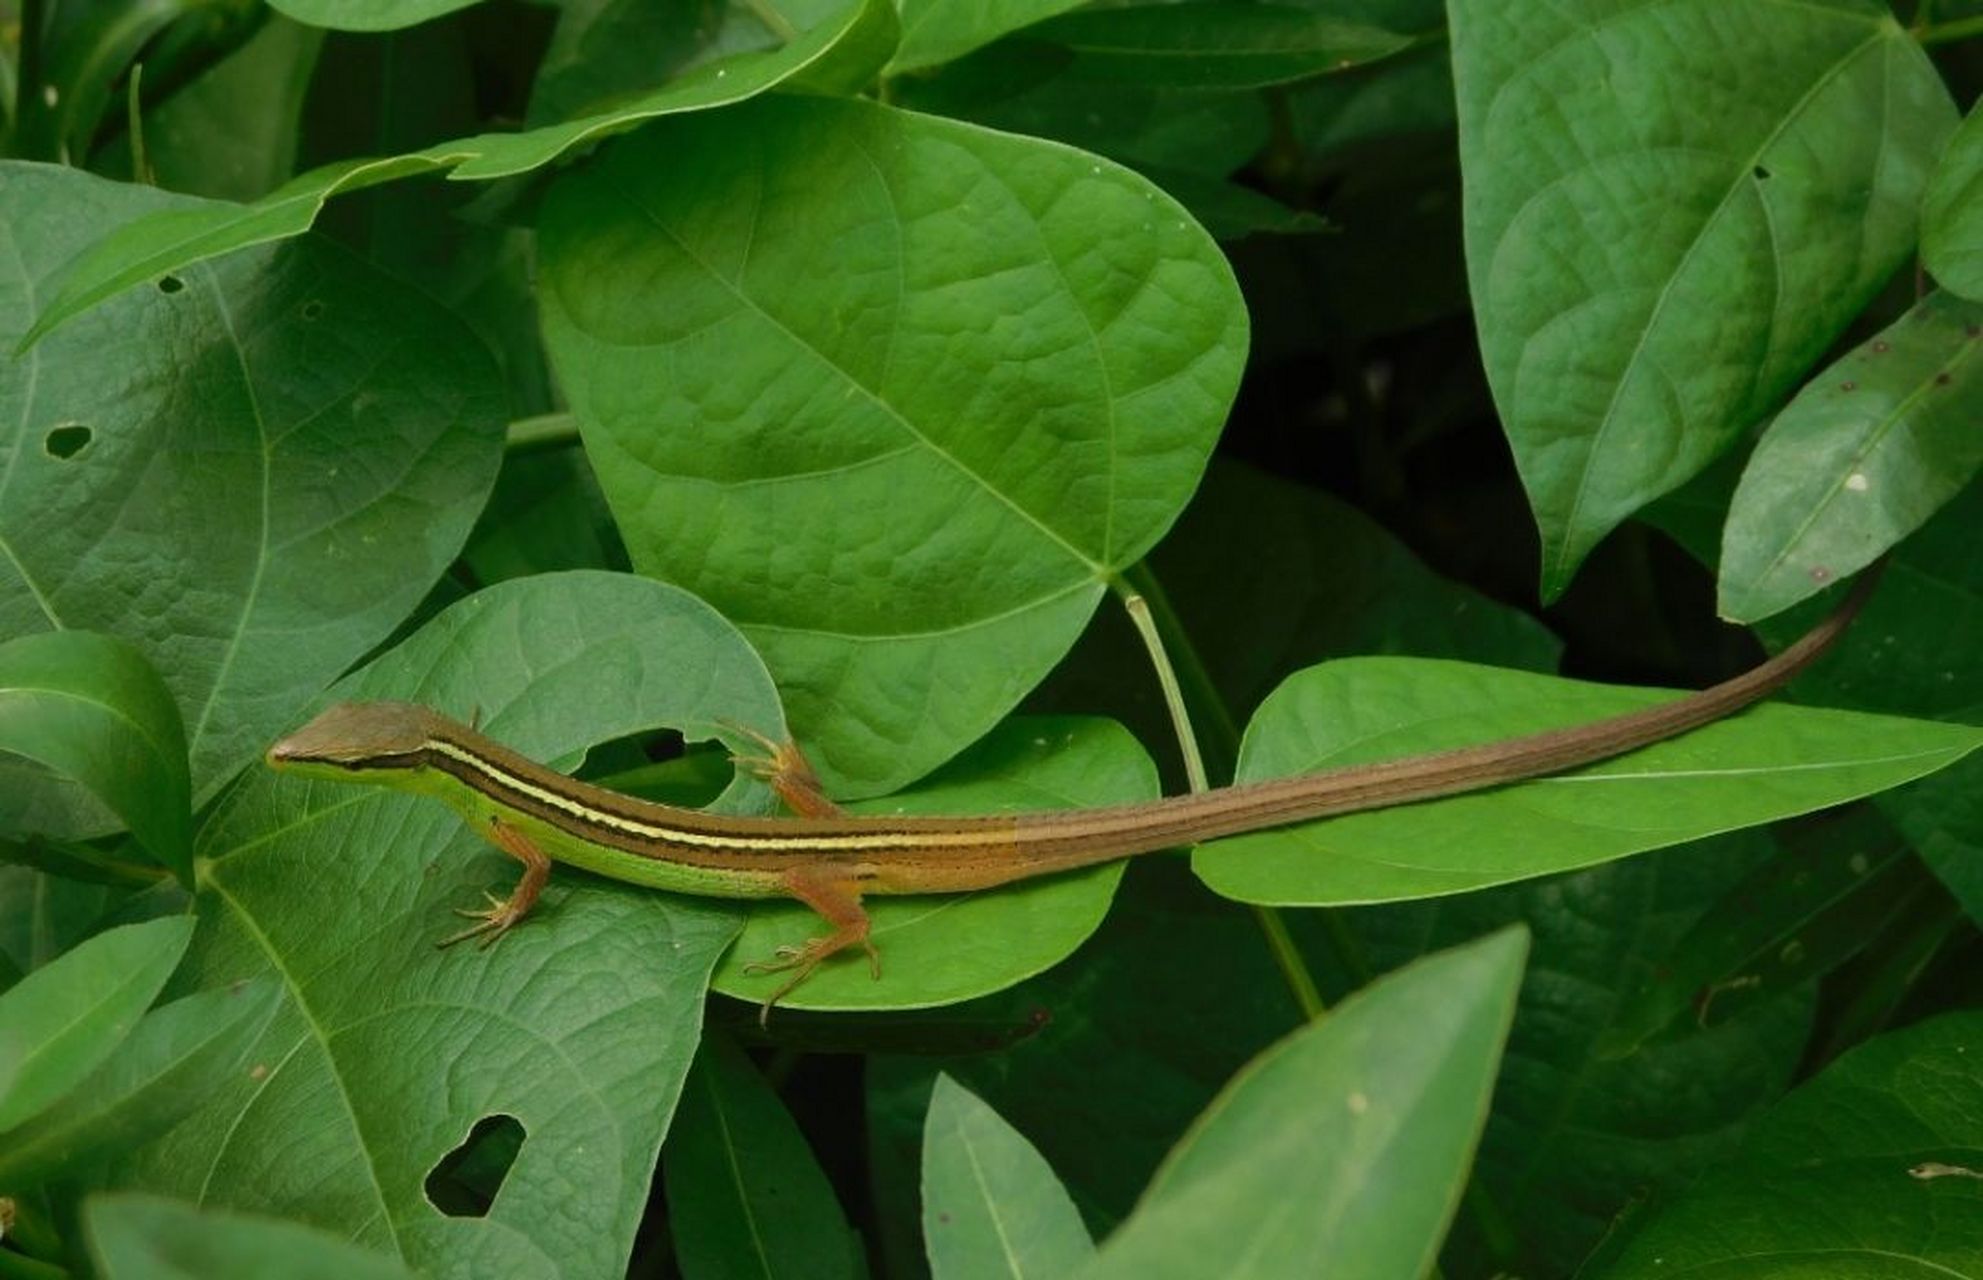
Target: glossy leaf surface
[[1343, 1149], [383, 1053], [992, 1208], [93, 710], [900, 419], [1768, 762], [1863, 455], [1671, 210], [292, 451]]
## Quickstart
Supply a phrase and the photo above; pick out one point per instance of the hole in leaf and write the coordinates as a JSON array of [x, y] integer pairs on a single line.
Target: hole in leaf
[[660, 765], [68, 440], [170, 284], [464, 1182], [313, 309], [1762, 173]]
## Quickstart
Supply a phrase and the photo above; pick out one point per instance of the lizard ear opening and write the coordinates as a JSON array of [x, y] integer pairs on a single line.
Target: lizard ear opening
[[464, 1182]]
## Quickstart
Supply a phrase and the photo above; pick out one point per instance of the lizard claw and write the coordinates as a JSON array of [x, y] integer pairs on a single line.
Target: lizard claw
[[492, 922]]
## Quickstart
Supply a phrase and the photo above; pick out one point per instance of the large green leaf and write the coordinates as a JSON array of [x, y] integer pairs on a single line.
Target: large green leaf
[[138, 1237], [176, 1056], [1672, 207], [91, 708], [1861, 458], [384, 1052], [1577, 1133], [859, 31], [1952, 214], [1214, 44], [64, 1019], [605, 53], [366, 15], [895, 394], [992, 1209], [745, 1194], [935, 31], [935, 950], [291, 451], [1344, 1149], [1769, 762], [1868, 1171]]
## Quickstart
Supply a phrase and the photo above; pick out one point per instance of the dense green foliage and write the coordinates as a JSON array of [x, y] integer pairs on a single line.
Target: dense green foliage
[[1024, 404]]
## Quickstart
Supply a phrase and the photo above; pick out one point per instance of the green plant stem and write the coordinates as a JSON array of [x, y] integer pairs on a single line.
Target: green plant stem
[[1143, 616], [135, 125], [542, 433], [772, 19], [1301, 983], [1949, 32], [1138, 607], [1194, 681]]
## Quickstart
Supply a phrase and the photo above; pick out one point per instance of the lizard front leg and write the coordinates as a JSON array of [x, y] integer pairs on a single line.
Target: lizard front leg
[[497, 918]]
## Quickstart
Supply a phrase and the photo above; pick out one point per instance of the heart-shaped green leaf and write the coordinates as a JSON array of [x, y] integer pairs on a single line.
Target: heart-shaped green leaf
[[93, 710], [292, 452], [1862, 456], [1344, 1149], [1769, 762], [1672, 208], [385, 1053], [935, 950], [896, 395]]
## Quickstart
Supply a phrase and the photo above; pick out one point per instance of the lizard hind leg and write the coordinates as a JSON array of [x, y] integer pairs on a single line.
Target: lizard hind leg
[[837, 899]]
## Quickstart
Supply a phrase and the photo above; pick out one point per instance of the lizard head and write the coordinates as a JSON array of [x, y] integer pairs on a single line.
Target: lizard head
[[358, 737]]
